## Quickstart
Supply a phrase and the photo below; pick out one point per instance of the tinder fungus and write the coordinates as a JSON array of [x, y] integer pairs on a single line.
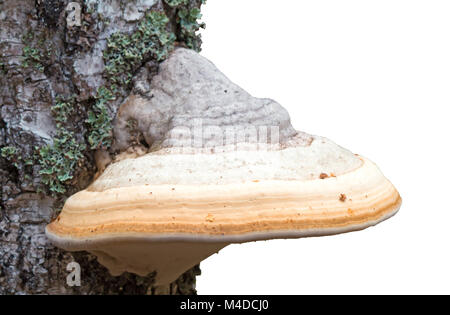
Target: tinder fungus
[[214, 166]]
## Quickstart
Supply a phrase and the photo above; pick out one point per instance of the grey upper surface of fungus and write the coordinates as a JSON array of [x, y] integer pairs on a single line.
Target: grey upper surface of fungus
[[190, 92]]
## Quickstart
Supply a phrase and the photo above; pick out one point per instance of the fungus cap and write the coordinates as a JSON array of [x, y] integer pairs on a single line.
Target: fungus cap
[[185, 199], [169, 212]]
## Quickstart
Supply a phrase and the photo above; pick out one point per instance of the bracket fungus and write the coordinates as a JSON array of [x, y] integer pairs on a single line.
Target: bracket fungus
[[219, 167]]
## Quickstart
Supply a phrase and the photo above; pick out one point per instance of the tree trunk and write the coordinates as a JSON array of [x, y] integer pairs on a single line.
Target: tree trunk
[[62, 78]]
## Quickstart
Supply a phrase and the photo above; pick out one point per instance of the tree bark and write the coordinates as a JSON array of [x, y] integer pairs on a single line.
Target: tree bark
[[54, 122]]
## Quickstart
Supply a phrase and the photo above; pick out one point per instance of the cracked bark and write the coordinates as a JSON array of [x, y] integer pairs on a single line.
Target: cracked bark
[[74, 66]]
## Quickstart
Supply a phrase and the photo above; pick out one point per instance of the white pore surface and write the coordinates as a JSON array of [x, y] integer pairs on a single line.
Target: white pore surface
[[292, 163]]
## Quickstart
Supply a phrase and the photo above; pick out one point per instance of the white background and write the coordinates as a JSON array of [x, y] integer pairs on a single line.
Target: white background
[[374, 76]]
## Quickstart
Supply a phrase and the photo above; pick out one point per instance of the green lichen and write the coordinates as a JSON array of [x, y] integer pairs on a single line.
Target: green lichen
[[99, 120], [125, 53], [36, 52], [188, 14], [11, 154], [8, 152], [176, 3], [60, 160], [63, 108], [32, 57], [189, 25]]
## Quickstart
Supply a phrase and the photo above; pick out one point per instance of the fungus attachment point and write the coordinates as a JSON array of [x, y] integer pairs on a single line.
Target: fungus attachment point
[[190, 196]]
